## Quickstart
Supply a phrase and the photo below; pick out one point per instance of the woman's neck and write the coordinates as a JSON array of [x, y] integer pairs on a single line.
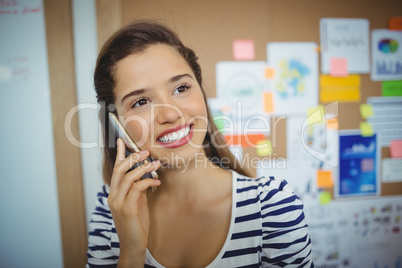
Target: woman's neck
[[190, 181]]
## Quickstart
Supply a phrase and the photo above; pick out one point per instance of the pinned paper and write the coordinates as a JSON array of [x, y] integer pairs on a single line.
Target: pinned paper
[[338, 67], [264, 148], [316, 115], [342, 89], [324, 179], [395, 23], [269, 73], [366, 129], [325, 198], [243, 49], [366, 110], [268, 102], [391, 88], [396, 148]]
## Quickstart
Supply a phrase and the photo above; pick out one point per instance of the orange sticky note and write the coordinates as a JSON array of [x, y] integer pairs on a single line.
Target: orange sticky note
[[324, 179], [269, 73], [396, 148], [395, 23], [246, 141], [268, 102], [243, 49], [338, 67]]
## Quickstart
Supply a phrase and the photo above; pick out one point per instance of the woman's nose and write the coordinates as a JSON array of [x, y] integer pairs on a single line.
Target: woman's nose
[[164, 113]]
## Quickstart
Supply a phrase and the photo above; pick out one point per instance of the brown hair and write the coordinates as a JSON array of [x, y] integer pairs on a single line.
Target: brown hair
[[135, 38]]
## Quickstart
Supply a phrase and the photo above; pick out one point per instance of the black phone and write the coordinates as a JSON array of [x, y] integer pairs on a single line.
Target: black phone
[[131, 146]]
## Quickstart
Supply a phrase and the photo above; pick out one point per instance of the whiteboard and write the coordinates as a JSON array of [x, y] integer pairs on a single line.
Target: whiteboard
[[30, 224]]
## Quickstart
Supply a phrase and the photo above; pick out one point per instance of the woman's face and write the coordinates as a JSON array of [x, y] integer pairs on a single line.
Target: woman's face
[[161, 103]]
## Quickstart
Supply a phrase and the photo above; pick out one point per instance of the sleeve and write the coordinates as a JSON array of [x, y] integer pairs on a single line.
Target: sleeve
[[285, 237], [100, 253]]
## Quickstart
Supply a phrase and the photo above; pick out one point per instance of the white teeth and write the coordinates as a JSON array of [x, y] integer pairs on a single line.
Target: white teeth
[[171, 137]]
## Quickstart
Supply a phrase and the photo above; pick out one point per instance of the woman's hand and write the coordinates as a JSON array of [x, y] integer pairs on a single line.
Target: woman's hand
[[128, 203]]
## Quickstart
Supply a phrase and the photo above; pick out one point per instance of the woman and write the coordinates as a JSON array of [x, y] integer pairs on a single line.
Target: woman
[[206, 211]]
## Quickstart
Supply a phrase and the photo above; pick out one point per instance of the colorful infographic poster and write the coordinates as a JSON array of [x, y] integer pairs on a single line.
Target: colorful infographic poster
[[358, 165], [346, 39], [386, 54], [295, 84]]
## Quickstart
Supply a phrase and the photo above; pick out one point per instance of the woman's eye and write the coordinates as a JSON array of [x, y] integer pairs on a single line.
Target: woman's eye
[[181, 88], [140, 102]]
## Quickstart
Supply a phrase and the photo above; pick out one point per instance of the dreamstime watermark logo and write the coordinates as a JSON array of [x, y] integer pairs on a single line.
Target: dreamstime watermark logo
[[145, 128]]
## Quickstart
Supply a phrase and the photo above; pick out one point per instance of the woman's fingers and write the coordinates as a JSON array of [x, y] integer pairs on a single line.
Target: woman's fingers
[[134, 177], [122, 166]]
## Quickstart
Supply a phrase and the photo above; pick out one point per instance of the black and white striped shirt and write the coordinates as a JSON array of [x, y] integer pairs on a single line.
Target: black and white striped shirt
[[267, 229]]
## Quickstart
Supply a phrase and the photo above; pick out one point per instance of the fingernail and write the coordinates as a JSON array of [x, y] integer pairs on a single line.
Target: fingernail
[[143, 152], [156, 163]]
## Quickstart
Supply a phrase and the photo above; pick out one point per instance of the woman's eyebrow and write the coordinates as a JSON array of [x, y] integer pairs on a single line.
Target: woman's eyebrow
[[178, 77], [134, 93]]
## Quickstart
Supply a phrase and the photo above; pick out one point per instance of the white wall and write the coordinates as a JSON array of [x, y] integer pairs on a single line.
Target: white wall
[[30, 224]]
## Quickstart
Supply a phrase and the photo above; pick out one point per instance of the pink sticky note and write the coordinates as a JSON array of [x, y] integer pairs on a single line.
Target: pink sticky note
[[243, 49], [338, 67], [396, 148]]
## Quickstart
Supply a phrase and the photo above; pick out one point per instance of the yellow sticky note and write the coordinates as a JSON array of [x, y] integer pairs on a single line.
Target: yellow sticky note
[[324, 179], [325, 198], [264, 148], [366, 110], [366, 129], [269, 73], [316, 115], [352, 80], [268, 102]]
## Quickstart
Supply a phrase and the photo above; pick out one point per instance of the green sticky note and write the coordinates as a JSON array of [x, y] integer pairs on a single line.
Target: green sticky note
[[366, 110], [366, 129], [325, 198], [219, 122], [392, 88]]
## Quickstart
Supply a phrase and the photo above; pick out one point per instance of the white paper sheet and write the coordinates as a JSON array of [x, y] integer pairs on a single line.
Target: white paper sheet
[[345, 38], [391, 170], [386, 55], [295, 84]]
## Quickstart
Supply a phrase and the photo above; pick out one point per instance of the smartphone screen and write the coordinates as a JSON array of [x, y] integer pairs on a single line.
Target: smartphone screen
[[120, 132]]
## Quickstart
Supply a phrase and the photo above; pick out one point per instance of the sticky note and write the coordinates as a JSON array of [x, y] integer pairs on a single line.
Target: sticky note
[[338, 67], [366, 110], [269, 73], [396, 148], [324, 179], [332, 123], [316, 115], [391, 88], [342, 89], [264, 148], [268, 102], [352, 80], [219, 122], [243, 49], [395, 23], [325, 198], [366, 129], [245, 141]]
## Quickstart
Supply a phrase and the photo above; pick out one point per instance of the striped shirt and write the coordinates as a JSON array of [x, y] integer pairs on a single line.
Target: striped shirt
[[267, 229]]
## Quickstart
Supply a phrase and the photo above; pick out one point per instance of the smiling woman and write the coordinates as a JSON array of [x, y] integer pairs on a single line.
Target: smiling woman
[[206, 211]]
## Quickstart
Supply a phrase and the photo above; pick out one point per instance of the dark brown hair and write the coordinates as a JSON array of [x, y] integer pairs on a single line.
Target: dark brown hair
[[135, 38]]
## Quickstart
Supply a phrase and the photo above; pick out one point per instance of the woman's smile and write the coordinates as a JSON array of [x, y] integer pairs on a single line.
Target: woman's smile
[[176, 137]]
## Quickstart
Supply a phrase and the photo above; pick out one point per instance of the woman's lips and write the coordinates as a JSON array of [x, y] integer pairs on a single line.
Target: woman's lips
[[177, 143]]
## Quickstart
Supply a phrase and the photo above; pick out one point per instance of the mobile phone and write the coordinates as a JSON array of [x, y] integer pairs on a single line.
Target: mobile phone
[[131, 146]]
